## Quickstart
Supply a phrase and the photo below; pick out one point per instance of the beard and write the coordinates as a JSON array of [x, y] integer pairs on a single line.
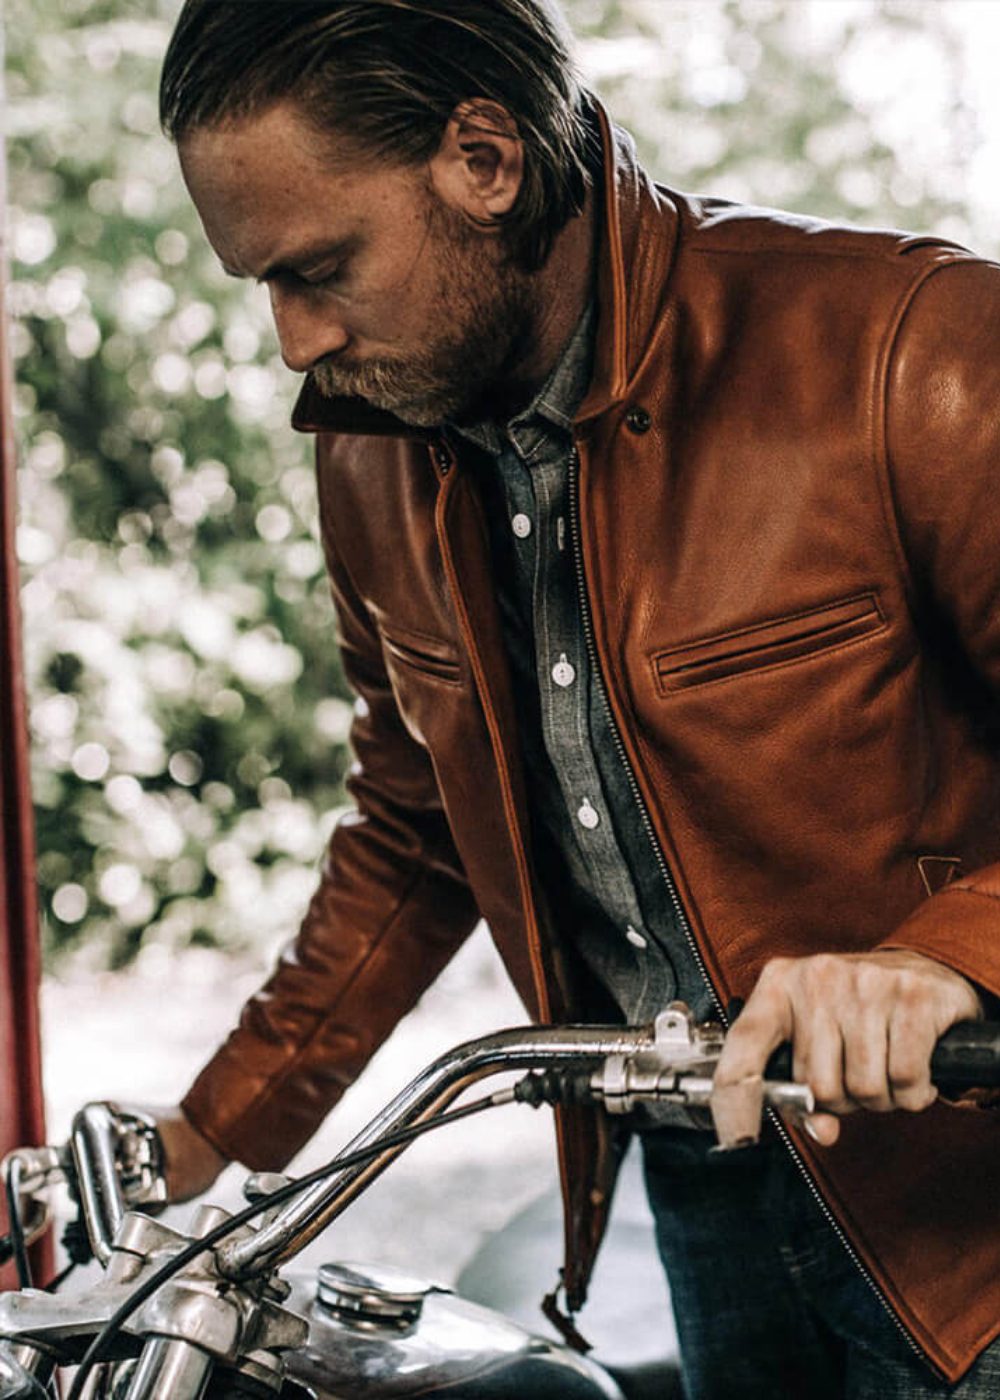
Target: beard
[[463, 370]]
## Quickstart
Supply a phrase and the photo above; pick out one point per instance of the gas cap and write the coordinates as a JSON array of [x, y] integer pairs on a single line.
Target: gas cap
[[371, 1295]]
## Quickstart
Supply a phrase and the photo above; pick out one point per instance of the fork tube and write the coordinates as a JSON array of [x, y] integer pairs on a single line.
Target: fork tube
[[170, 1369]]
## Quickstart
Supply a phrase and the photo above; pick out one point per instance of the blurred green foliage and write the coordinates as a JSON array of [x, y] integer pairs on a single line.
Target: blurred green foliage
[[189, 718], [188, 714], [846, 109]]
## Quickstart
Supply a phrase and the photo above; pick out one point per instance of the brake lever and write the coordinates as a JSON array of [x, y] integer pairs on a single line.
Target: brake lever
[[33, 1172], [112, 1163], [679, 1067], [118, 1164]]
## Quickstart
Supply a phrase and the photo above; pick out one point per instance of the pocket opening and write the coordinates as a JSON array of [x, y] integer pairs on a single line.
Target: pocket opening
[[424, 654], [767, 644]]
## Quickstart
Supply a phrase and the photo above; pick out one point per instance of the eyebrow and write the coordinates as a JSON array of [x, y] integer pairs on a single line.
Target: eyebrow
[[305, 258]]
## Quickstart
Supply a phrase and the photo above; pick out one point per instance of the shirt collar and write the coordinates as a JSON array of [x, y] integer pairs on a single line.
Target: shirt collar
[[555, 403]]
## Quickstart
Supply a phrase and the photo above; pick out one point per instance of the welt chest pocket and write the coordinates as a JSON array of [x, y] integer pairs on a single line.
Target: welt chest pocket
[[766, 646]]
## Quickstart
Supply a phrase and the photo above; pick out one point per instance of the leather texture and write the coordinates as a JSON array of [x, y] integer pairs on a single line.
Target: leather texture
[[792, 553]]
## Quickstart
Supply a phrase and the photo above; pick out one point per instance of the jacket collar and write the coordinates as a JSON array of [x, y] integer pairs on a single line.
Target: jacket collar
[[634, 258], [314, 412]]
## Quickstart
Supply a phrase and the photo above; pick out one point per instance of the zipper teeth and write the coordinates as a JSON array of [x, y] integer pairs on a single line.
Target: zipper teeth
[[841, 1234], [588, 632]]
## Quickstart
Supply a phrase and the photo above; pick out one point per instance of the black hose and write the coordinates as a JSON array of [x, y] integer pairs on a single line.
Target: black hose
[[400, 1138], [18, 1243]]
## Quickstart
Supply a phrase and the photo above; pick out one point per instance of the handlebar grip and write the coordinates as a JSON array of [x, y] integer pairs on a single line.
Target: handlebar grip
[[966, 1057]]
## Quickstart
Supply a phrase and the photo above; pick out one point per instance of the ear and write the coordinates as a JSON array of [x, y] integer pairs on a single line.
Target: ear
[[479, 165]]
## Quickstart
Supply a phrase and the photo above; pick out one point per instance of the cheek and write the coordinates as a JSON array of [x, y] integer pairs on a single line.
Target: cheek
[[401, 317]]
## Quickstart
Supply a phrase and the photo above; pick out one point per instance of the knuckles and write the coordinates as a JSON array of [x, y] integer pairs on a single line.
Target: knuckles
[[915, 1099], [868, 1088], [828, 978], [776, 973], [863, 994]]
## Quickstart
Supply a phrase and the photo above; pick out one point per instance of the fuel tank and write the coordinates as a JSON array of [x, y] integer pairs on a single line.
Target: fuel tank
[[376, 1333]]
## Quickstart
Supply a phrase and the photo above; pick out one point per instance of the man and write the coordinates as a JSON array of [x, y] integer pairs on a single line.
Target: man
[[662, 539]]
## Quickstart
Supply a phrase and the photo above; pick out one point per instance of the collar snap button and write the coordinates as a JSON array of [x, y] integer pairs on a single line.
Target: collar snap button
[[637, 420]]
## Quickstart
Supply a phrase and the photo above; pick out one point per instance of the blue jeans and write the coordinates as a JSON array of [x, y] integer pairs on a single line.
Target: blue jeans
[[769, 1305]]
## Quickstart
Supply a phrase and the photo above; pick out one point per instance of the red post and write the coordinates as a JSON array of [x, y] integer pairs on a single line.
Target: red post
[[22, 1119]]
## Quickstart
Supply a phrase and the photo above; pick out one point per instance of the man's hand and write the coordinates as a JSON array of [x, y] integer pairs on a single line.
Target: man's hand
[[192, 1163], [863, 1027]]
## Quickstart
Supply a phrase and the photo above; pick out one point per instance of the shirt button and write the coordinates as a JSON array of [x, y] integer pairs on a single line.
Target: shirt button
[[521, 525], [587, 815], [635, 937], [562, 672]]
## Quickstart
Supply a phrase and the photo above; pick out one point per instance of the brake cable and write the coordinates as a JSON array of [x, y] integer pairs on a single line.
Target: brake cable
[[16, 1240], [102, 1341]]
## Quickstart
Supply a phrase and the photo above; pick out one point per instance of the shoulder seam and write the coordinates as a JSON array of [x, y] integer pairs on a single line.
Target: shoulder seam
[[952, 253], [880, 415]]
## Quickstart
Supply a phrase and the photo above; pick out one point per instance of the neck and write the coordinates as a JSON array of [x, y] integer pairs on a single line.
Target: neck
[[564, 287]]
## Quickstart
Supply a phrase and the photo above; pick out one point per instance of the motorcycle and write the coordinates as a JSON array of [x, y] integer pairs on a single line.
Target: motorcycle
[[212, 1311]]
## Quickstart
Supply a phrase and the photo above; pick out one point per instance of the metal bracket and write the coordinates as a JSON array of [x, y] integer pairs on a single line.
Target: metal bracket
[[679, 1067]]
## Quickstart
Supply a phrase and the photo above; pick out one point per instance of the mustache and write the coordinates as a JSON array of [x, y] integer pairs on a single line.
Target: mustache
[[342, 377], [383, 381]]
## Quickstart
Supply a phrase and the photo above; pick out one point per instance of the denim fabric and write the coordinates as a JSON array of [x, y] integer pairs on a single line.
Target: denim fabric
[[594, 854], [768, 1303]]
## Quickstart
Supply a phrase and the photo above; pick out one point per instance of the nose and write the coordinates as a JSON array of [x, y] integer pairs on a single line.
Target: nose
[[307, 329]]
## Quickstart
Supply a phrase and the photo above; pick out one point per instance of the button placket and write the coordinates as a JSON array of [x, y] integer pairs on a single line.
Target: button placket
[[579, 785]]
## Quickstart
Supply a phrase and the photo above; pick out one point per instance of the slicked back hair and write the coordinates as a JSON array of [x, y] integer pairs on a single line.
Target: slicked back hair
[[386, 75]]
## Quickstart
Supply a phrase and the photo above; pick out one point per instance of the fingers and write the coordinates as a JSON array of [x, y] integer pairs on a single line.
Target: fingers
[[863, 1028], [191, 1161], [766, 1021], [823, 1128], [910, 1048], [818, 1058]]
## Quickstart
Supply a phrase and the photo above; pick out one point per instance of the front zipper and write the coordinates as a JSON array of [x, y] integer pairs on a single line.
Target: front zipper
[[682, 919], [588, 633], [838, 1230]]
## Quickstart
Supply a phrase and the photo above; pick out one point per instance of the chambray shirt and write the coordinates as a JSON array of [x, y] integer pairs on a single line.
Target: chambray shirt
[[593, 851]]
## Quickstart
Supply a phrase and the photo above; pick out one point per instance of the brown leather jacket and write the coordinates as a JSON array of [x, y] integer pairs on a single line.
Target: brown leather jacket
[[791, 540]]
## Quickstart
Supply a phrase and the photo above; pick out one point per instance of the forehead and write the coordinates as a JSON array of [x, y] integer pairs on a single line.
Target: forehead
[[267, 184]]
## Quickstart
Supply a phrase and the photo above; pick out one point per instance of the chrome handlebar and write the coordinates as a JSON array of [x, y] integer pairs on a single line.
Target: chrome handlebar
[[429, 1093], [115, 1158], [225, 1305], [671, 1060], [119, 1164]]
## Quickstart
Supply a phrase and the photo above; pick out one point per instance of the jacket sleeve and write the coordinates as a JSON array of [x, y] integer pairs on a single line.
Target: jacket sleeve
[[942, 447], [391, 909]]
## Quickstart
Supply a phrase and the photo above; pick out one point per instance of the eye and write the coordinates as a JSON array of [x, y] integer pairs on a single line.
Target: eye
[[324, 278]]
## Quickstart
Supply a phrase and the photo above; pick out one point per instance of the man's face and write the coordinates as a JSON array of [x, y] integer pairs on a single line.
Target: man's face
[[377, 286]]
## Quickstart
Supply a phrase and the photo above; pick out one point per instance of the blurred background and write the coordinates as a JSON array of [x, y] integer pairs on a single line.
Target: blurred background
[[188, 715]]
